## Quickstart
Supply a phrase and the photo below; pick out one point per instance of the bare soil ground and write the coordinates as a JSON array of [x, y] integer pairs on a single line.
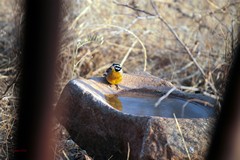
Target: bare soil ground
[[186, 42]]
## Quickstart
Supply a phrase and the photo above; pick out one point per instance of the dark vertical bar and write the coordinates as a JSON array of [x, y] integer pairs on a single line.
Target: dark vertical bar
[[223, 144], [40, 35]]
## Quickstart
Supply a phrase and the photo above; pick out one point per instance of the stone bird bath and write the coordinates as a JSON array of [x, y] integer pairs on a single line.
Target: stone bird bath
[[116, 124]]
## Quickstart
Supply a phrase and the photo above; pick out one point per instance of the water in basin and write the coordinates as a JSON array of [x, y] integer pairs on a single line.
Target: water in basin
[[144, 104]]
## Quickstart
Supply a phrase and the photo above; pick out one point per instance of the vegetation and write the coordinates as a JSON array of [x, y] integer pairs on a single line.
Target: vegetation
[[186, 42]]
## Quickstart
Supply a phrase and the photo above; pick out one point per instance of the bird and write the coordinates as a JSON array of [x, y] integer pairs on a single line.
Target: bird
[[114, 74]]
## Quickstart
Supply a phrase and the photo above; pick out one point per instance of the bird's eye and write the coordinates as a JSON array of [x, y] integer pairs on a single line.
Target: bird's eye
[[117, 68]]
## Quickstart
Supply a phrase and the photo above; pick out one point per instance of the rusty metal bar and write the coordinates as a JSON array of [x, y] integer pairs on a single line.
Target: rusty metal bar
[[39, 51], [226, 140]]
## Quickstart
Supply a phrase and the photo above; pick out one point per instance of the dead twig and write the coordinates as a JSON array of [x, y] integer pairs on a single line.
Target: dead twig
[[65, 155], [169, 27], [134, 8], [175, 35], [205, 103], [164, 96], [180, 131], [128, 153], [193, 89], [127, 54]]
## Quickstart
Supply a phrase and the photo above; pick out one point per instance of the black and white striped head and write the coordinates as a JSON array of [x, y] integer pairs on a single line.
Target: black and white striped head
[[117, 67], [114, 67]]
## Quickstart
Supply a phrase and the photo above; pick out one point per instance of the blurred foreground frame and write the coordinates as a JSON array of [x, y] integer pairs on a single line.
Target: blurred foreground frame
[[39, 55], [39, 52], [226, 140]]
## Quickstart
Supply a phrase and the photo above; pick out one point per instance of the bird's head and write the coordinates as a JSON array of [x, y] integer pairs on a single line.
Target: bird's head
[[116, 67], [113, 68]]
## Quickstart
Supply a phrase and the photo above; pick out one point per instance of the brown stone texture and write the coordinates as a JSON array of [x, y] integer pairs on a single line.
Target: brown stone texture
[[105, 132]]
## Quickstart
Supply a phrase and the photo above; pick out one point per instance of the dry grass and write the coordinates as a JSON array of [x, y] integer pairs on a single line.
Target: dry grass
[[8, 63], [98, 33], [205, 28]]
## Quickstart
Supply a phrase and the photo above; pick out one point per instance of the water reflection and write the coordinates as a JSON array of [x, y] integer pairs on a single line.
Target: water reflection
[[113, 100], [143, 104]]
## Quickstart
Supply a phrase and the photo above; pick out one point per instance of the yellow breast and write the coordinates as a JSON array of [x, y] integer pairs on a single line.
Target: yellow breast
[[114, 77]]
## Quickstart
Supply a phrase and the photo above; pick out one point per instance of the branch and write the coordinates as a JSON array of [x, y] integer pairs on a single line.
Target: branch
[[134, 8], [178, 39], [175, 35], [184, 46], [168, 26]]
